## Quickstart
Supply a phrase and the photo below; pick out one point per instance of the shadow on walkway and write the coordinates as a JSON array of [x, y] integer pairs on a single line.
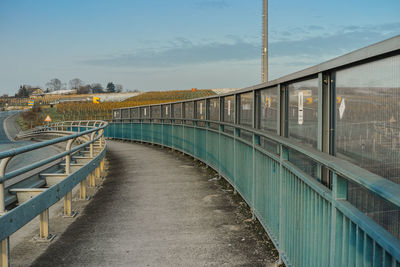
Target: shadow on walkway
[[160, 208]]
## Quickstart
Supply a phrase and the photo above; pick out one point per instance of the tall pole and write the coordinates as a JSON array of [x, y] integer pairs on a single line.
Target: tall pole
[[264, 71]]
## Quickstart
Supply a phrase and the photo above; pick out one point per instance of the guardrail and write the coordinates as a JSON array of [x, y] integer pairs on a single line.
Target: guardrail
[[83, 161], [312, 153]]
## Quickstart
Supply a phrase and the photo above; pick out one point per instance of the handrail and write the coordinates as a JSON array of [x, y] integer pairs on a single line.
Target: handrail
[[35, 165], [326, 85], [45, 198], [382, 187], [23, 149]]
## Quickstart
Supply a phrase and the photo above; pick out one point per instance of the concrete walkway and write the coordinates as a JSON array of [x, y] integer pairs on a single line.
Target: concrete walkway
[[159, 208]]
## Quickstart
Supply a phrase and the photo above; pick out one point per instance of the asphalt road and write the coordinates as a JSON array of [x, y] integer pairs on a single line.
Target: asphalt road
[[4, 123], [8, 130]]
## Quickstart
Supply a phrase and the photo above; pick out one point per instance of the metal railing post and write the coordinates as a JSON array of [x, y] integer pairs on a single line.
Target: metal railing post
[[92, 177], [44, 225], [339, 192], [4, 245], [68, 196], [284, 155]]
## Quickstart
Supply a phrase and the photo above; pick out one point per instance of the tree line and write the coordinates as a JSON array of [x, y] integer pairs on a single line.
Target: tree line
[[74, 84]]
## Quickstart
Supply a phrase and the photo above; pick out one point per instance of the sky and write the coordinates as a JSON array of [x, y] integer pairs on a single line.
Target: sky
[[179, 44]]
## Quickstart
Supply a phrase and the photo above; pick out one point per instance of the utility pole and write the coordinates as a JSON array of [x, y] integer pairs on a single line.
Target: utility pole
[[264, 70]]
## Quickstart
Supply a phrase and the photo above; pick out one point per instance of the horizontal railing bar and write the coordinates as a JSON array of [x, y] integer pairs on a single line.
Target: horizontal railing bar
[[312, 182], [20, 150], [390, 243], [35, 165], [16, 218]]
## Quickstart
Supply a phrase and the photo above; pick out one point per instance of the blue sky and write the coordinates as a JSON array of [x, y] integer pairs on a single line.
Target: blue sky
[[179, 44]]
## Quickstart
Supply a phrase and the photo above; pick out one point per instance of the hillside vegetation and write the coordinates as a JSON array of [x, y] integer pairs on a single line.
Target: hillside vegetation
[[103, 111]]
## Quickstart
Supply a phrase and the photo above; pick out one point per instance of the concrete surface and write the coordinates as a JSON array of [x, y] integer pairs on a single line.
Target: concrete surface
[[157, 207], [24, 249]]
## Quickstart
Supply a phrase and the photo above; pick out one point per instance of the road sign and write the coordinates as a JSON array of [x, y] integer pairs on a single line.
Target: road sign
[[48, 119]]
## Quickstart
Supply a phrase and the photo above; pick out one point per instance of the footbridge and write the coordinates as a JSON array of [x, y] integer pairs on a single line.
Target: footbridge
[[315, 155]]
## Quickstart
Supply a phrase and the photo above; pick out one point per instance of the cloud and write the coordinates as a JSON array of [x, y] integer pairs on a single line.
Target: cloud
[[301, 45], [315, 28], [341, 40], [184, 52], [211, 4]]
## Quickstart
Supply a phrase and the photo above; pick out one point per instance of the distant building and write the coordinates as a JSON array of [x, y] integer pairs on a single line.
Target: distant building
[[62, 92], [36, 92]]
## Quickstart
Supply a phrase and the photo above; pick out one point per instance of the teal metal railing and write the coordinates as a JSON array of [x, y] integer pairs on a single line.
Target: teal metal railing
[[314, 154]]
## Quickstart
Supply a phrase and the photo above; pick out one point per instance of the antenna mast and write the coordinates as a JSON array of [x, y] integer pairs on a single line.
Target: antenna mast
[[264, 70]]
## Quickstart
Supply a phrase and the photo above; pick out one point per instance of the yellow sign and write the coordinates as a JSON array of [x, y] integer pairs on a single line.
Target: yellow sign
[[268, 101], [309, 100], [96, 100], [48, 119]]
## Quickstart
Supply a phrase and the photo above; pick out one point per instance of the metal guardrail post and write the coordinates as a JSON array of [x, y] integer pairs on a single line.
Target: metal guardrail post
[[92, 176], [101, 140], [4, 245], [68, 197], [44, 225]]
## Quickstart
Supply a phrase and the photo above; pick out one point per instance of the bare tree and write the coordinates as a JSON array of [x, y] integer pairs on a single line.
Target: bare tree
[[54, 84], [97, 88], [75, 84], [84, 89], [118, 88]]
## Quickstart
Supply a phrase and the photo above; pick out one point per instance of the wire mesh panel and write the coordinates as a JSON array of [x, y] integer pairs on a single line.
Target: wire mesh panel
[[229, 109], [125, 113], [201, 109], [303, 111], [368, 116], [246, 109], [380, 210], [166, 113], [368, 131], [189, 112], [145, 112], [269, 110], [155, 112], [135, 113], [200, 112], [214, 109], [117, 114], [177, 111]]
